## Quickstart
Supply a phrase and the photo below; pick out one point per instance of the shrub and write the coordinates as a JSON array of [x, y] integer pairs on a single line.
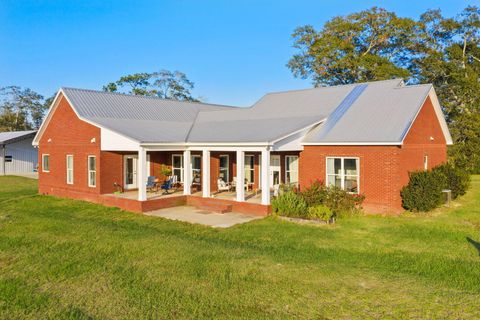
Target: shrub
[[341, 202], [289, 204], [424, 190], [320, 212], [456, 179], [315, 194]]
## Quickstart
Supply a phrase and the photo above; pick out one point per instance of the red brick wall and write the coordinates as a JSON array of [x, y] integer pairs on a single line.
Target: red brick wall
[[68, 135], [418, 143], [378, 171], [383, 169]]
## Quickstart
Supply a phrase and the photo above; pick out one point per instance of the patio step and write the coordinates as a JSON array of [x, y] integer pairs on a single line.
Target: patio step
[[215, 207]]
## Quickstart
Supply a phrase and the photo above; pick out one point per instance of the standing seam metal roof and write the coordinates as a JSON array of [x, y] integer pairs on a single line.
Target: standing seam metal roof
[[371, 112]]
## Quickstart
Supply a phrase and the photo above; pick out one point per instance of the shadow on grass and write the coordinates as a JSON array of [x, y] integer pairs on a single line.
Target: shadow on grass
[[475, 244]]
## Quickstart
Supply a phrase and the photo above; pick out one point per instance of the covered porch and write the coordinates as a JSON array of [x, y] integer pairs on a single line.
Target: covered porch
[[206, 175]]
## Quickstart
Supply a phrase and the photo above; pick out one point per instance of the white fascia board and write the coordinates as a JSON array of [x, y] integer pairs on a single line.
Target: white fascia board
[[306, 129], [47, 118], [439, 113], [441, 117], [352, 143], [293, 141], [205, 144], [54, 106], [112, 141]]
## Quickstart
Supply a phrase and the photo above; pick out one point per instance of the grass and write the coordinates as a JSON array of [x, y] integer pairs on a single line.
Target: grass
[[70, 259]]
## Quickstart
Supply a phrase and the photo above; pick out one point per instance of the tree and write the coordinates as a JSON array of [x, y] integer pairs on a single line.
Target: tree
[[376, 44], [164, 84], [370, 45], [21, 109]]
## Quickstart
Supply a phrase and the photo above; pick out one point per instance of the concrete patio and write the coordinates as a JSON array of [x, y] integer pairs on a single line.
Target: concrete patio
[[193, 215]]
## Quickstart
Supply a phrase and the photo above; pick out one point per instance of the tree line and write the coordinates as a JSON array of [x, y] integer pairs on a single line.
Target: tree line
[[369, 45], [376, 44]]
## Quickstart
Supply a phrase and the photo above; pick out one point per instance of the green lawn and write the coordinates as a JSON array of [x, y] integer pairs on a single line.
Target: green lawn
[[71, 259]]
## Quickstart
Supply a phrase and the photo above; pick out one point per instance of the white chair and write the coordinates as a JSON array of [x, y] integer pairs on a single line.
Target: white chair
[[223, 186]]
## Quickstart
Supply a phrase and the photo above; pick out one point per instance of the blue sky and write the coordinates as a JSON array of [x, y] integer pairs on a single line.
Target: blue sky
[[234, 51]]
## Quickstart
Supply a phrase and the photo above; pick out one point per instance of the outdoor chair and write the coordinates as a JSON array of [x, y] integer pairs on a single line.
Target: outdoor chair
[[167, 185], [223, 186], [152, 184]]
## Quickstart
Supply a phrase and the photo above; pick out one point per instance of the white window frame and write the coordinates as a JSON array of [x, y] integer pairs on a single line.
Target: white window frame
[[252, 169], [227, 168], [287, 171], [194, 170], [43, 162], [425, 162], [92, 171], [69, 169], [342, 172], [180, 179]]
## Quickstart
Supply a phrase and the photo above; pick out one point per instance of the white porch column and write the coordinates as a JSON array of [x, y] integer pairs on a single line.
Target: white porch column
[[240, 187], [206, 173], [142, 174], [187, 172], [265, 177]]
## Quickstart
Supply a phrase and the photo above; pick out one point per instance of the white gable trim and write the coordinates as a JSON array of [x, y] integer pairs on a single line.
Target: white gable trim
[[51, 111], [440, 117]]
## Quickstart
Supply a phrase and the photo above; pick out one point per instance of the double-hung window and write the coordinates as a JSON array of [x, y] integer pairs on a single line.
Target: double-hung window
[[69, 169], [224, 172], [250, 168], [45, 162], [291, 169], [196, 169], [177, 166], [92, 171], [344, 173]]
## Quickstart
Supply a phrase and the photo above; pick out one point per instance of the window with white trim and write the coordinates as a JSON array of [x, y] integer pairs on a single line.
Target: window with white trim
[[45, 163], [177, 166], [291, 169], [196, 163], [344, 173], [224, 171], [69, 166], [92, 171], [250, 168]]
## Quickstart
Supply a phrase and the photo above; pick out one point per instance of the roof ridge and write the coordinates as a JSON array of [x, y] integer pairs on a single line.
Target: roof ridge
[[147, 97], [415, 85], [335, 86]]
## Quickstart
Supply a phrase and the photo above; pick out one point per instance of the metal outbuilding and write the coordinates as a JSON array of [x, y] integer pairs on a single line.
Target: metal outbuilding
[[17, 155]]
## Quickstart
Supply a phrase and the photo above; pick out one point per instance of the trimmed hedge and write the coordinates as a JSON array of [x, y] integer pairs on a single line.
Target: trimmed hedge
[[424, 190]]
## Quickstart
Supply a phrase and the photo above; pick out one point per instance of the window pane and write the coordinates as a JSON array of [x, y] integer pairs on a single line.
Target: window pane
[[46, 163], [334, 181], [223, 161], [249, 168], [196, 163], [92, 164], [334, 165], [93, 181], [177, 161], [350, 166], [351, 184]]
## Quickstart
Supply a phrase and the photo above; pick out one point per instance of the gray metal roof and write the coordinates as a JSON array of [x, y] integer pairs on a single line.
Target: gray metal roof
[[141, 118], [379, 114], [379, 111], [12, 136]]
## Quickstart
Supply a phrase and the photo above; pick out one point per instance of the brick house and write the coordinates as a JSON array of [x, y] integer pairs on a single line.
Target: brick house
[[363, 138]]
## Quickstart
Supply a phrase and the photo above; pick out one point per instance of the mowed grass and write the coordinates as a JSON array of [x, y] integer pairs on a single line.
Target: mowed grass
[[70, 259]]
